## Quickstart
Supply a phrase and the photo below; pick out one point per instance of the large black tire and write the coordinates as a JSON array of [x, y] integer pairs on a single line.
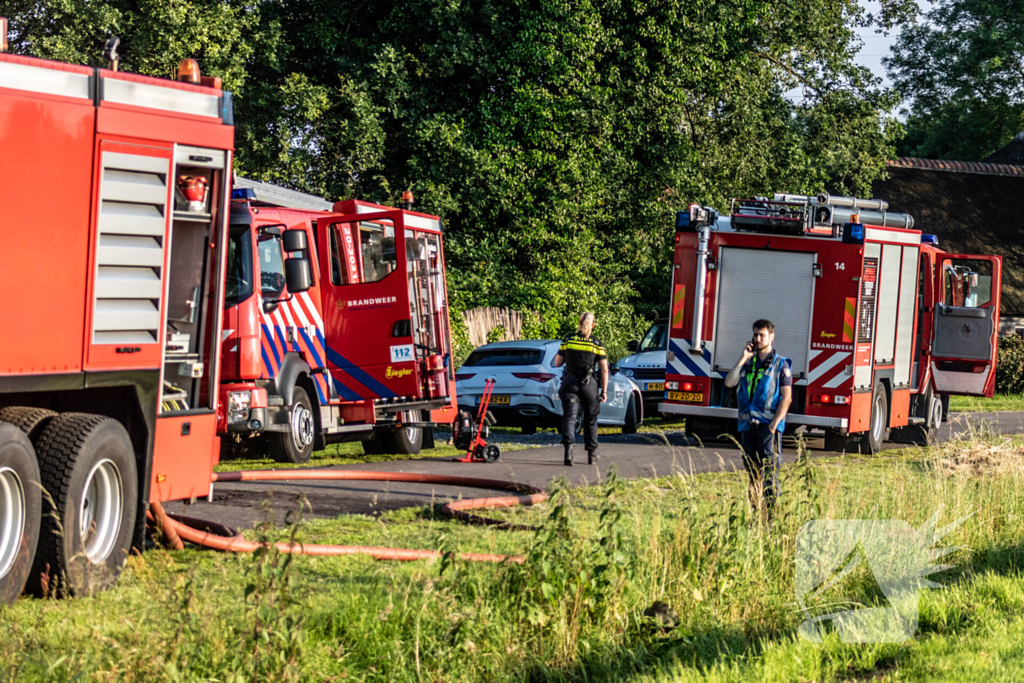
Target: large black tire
[[32, 421], [931, 410], [295, 445], [21, 507], [878, 431], [403, 440], [372, 446], [88, 470], [632, 417]]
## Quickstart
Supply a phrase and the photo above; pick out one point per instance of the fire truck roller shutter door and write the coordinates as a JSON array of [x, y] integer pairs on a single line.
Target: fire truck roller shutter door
[[905, 316], [888, 300], [760, 283]]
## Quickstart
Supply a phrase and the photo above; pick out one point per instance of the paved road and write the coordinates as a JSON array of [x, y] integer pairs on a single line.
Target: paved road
[[640, 455]]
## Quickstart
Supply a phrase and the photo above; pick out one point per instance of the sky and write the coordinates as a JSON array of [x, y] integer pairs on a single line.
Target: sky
[[875, 46]]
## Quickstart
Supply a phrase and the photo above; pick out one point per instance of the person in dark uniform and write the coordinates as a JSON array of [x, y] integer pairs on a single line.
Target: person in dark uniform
[[764, 382], [581, 354]]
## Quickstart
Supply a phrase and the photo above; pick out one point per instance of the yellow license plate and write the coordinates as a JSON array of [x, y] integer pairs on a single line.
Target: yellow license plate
[[500, 400], [655, 386], [685, 396]]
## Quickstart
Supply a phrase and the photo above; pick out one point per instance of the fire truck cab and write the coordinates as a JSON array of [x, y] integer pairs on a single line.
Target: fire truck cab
[[880, 324], [336, 325], [109, 361]]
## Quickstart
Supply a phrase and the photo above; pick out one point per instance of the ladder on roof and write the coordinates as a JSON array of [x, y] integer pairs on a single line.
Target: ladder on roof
[[279, 196]]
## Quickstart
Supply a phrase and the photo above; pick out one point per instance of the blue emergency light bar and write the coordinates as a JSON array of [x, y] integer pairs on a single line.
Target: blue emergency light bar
[[930, 239], [243, 193], [695, 217], [853, 233]]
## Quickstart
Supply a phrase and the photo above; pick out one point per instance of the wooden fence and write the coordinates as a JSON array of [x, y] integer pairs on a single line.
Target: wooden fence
[[480, 322]]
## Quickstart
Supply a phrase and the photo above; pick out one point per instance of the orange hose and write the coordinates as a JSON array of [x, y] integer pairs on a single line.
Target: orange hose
[[185, 528]]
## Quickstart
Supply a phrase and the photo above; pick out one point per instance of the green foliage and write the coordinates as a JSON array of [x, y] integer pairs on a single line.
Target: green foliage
[[1010, 365], [961, 70]]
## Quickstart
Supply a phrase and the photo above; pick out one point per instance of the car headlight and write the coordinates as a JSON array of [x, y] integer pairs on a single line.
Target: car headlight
[[238, 406], [628, 372]]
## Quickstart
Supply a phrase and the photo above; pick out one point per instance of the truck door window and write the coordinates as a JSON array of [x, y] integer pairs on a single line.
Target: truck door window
[[376, 247], [239, 276], [967, 283], [271, 265]]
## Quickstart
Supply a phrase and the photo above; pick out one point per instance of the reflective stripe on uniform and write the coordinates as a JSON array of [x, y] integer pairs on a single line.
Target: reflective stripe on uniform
[[582, 346]]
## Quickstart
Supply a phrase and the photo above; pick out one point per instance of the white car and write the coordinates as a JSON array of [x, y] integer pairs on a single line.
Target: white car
[[526, 387]]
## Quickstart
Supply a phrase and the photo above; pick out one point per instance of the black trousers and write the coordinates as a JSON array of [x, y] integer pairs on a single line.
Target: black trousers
[[762, 456], [575, 397]]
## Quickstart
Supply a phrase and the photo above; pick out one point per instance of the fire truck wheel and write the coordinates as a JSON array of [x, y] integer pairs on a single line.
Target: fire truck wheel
[[32, 421], [632, 419], [87, 468], [20, 510], [372, 446], [404, 440], [295, 445], [878, 433]]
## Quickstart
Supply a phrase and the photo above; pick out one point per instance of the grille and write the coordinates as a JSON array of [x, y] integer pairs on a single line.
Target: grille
[[649, 373]]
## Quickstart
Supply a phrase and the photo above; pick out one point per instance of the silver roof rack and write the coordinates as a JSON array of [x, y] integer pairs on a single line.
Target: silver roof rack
[[279, 196]]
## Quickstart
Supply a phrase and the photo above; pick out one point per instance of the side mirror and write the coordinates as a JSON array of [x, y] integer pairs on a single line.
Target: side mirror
[[297, 274], [295, 240], [632, 346], [615, 369]]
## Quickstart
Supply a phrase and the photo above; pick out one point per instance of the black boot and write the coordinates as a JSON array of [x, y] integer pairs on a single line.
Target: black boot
[[568, 455], [592, 457]]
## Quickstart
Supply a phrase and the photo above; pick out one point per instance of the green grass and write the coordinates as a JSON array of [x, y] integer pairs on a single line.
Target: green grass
[[999, 402], [574, 610], [350, 453]]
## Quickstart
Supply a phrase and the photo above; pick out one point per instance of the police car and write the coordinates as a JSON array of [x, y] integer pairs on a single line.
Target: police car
[[526, 387]]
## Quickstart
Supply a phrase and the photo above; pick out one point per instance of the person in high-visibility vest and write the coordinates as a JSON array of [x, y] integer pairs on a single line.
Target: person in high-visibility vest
[[581, 355], [764, 382]]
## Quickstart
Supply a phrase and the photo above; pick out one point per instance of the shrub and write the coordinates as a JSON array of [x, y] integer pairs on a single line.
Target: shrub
[[1010, 365]]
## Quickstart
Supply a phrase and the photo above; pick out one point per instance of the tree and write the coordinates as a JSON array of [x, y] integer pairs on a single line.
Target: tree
[[556, 138], [963, 72]]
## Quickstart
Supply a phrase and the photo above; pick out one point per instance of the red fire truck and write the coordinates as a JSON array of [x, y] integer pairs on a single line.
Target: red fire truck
[[109, 357], [881, 325], [361, 353]]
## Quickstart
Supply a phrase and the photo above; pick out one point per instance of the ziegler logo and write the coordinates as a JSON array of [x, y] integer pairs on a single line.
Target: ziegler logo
[[128, 349], [827, 335], [401, 372]]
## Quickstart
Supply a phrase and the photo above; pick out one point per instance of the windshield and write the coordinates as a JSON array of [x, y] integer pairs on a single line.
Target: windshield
[[656, 338], [504, 357], [239, 277]]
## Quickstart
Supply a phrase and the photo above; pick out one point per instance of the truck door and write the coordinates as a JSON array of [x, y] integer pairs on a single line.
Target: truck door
[[367, 315], [966, 324]]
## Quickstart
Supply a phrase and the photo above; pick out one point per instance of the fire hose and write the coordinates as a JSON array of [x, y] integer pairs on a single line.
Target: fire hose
[[178, 529]]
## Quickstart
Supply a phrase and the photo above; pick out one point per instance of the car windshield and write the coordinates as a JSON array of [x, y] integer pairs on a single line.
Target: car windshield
[[504, 357], [656, 338]]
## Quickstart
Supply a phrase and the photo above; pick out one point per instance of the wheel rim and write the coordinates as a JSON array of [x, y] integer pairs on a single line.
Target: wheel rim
[[878, 418], [302, 426], [100, 512], [12, 518], [411, 433], [579, 422], [936, 413]]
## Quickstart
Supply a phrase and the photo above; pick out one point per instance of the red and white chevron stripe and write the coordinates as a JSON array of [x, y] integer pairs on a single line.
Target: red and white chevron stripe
[[829, 368]]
